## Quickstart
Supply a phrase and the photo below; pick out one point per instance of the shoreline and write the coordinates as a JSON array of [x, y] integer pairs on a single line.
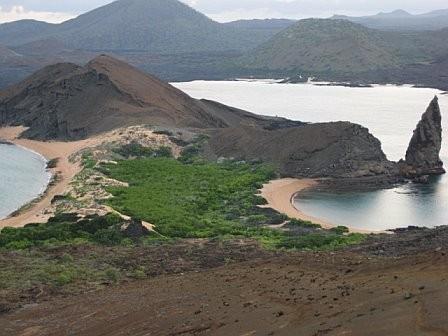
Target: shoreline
[[65, 170], [49, 176], [280, 195]]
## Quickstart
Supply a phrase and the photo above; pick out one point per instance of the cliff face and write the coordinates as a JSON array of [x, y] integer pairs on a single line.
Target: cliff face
[[339, 149], [423, 154]]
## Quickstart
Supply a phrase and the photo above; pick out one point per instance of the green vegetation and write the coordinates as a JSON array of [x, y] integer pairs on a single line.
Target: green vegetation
[[53, 163], [185, 198], [135, 150], [197, 200], [64, 229], [206, 200]]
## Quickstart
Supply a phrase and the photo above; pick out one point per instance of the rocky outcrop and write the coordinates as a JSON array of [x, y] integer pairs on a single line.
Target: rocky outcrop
[[337, 149], [423, 154], [134, 229]]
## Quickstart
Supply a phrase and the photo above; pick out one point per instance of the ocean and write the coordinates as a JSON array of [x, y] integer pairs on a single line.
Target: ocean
[[390, 112], [23, 177]]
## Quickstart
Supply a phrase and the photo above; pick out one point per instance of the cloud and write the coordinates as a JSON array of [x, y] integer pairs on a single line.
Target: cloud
[[20, 13], [223, 10], [236, 9]]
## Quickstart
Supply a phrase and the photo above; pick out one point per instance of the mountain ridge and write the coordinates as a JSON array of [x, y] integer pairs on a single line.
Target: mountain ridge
[[162, 26], [401, 20], [340, 50]]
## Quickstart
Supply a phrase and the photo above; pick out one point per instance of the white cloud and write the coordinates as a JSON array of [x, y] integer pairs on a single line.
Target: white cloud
[[20, 13]]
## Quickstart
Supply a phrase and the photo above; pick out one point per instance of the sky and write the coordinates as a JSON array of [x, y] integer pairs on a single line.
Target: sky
[[222, 10]]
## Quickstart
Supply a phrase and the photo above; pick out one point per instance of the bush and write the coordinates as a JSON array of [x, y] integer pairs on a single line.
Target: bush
[[301, 223], [64, 278], [163, 132], [194, 200], [136, 150], [112, 274], [64, 229], [53, 163], [109, 237], [340, 230]]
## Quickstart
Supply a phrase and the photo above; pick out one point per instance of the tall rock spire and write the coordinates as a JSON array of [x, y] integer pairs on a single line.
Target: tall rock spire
[[423, 154]]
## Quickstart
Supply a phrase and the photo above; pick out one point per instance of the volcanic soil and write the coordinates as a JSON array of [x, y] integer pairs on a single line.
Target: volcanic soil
[[390, 285]]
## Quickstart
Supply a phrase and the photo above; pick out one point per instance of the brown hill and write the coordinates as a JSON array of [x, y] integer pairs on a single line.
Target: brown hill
[[67, 101]]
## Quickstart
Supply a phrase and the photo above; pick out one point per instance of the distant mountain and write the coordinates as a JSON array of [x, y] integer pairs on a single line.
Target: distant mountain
[[165, 37], [9, 56], [272, 26], [340, 50], [16, 63], [402, 20], [23, 31], [324, 46], [14, 66], [158, 26]]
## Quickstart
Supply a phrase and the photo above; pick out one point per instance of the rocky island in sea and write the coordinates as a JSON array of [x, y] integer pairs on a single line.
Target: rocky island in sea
[[423, 154]]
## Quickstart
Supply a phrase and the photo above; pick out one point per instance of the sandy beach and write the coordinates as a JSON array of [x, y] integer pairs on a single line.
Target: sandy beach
[[64, 171], [280, 194]]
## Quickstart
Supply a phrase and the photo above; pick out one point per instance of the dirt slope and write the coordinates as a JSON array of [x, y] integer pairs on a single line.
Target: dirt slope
[[302, 294], [67, 101]]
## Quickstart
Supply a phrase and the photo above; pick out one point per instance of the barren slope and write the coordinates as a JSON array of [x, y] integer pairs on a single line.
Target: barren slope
[[343, 293]]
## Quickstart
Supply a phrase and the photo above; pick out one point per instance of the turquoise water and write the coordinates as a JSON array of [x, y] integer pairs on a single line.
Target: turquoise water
[[411, 204], [390, 112], [23, 177]]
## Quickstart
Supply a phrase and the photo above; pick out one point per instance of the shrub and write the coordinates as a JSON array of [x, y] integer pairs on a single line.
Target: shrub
[[53, 163], [340, 230], [136, 150], [301, 223], [64, 229], [112, 274]]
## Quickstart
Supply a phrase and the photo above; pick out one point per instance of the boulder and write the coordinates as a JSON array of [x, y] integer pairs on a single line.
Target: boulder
[[134, 229], [423, 154]]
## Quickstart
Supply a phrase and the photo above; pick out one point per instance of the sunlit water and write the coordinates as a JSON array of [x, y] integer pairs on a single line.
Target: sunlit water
[[23, 177], [391, 113]]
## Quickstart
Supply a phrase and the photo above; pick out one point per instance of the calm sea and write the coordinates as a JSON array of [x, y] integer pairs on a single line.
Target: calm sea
[[390, 112], [23, 177]]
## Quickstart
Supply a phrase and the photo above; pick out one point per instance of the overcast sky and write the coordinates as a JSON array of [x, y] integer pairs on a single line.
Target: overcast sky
[[222, 10]]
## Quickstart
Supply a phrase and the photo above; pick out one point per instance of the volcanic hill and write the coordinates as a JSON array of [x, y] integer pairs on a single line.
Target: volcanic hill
[[70, 102]]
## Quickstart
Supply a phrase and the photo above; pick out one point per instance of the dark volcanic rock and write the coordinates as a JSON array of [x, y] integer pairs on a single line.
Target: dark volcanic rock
[[423, 154], [338, 149], [134, 229]]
